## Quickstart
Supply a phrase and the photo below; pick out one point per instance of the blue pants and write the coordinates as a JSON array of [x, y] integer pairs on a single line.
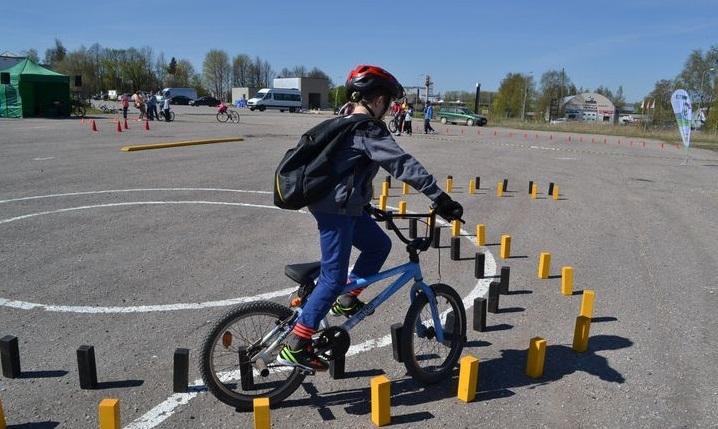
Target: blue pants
[[337, 234]]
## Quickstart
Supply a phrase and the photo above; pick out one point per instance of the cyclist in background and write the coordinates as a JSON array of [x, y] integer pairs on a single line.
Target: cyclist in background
[[340, 215]]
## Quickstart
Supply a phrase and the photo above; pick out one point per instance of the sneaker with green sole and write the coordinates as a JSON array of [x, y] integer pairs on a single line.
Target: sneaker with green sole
[[303, 357]]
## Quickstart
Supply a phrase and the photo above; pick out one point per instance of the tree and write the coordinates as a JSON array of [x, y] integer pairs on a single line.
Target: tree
[[216, 72], [554, 85], [183, 75], [172, 67], [696, 77], [31, 54], [661, 95], [338, 96], [515, 88], [53, 56], [241, 70]]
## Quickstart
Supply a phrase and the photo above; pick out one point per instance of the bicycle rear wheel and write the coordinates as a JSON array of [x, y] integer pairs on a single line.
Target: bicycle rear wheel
[[234, 337], [222, 116], [426, 359]]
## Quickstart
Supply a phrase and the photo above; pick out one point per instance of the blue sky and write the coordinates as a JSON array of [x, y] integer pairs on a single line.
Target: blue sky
[[631, 42]]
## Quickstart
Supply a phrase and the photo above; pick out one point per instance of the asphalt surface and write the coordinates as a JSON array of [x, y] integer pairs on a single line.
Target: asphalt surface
[[115, 232]]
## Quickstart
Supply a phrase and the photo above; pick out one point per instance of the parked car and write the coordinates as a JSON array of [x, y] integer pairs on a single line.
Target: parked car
[[460, 115], [205, 101], [180, 99]]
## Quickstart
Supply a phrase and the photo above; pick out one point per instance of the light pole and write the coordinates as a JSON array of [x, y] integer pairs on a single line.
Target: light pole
[[526, 92], [703, 78]]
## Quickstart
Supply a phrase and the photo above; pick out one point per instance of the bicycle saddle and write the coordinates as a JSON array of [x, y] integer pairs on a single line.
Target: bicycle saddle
[[303, 273]]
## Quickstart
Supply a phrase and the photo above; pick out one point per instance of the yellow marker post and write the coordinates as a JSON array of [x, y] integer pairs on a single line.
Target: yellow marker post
[[109, 414], [385, 188], [567, 281], [468, 378], [536, 357], [555, 192], [587, 303], [500, 189], [505, 251], [402, 207], [3, 423], [449, 184], [581, 334], [472, 186], [534, 191], [544, 265], [405, 188], [380, 400], [262, 418], [480, 235], [382, 202], [455, 228]]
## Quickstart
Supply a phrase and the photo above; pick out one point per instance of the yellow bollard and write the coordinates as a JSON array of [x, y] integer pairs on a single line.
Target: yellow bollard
[[380, 400], [500, 189], [587, 303], [536, 357], [468, 378], [480, 234], [581, 334], [567, 281], [534, 191], [472, 186], [455, 228], [262, 418], [382, 202], [505, 251], [555, 192], [3, 423], [405, 188], [385, 188], [402, 207], [544, 266], [109, 414], [449, 184]]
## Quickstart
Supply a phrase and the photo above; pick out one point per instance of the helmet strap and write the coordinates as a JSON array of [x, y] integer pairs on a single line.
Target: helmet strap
[[366, 106]]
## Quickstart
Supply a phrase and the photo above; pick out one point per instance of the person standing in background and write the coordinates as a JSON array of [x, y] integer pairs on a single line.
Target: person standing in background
[[125, 104], [407, 119], [428, 114], [166, 108], [152, 107]]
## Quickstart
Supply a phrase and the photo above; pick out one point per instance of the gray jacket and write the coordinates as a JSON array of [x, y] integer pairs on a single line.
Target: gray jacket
[[372, 147]]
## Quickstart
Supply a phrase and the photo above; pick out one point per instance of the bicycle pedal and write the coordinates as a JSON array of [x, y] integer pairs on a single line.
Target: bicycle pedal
[[306, 371]]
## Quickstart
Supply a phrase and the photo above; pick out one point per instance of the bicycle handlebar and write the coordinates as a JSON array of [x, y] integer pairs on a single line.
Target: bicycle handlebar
[[421, 244]]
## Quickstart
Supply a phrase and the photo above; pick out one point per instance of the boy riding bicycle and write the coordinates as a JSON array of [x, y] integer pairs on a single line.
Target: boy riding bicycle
[[340, 215]]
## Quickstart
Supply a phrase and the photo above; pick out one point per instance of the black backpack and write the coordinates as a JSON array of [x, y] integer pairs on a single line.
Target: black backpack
[[306, 173]]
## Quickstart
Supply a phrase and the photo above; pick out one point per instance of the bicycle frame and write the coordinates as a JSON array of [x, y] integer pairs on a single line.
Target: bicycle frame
[[406, 272]]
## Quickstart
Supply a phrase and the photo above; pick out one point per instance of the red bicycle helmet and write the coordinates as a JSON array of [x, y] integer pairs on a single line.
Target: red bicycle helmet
[[366, 79]]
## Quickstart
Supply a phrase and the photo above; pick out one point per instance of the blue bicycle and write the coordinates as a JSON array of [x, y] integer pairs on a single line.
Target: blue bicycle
[[237, 361]]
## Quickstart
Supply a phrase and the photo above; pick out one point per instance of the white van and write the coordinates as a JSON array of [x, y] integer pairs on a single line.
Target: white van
[[276, 98], [190, 93]]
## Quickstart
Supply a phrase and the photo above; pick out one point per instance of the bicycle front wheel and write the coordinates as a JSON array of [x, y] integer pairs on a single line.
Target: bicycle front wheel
[[392, 126], [236, 337], [426, 359], [235, 117], [222, 116]]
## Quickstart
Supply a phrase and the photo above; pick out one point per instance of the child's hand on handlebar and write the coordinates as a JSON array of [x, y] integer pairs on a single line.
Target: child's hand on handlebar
[[448, 208]]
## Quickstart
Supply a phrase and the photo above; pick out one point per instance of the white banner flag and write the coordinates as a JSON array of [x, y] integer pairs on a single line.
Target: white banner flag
[[684, 113]]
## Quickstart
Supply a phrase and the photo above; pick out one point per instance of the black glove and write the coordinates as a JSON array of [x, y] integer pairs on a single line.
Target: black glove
[[448, 208]]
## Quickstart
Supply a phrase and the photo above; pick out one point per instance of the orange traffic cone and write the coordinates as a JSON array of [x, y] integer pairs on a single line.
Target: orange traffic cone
[[147, 125], [126, 126], [119, 127], [94, 126]]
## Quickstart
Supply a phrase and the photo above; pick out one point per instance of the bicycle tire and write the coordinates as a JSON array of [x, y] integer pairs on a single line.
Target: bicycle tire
[[235, 117], [222, 117], [456, 339], [172, 117], [392, 126], [216, 387]]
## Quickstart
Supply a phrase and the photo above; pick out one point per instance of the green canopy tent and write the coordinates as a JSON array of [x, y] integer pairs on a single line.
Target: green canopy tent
[[34, 91]]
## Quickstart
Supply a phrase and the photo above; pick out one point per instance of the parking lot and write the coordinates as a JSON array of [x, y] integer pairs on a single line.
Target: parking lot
[[138, 253]]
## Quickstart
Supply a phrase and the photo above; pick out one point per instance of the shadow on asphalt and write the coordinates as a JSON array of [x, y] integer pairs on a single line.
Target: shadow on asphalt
[[119, 384], [43, 374], [498, 377], [38, 425]]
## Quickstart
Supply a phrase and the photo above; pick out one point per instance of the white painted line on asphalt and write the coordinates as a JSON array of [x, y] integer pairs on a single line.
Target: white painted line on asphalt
[[71, 194], [169, 406], [43, 159], [138, 203]]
